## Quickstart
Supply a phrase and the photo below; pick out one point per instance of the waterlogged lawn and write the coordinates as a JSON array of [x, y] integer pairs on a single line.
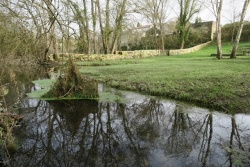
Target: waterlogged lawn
[[197, 77], [43, 86]]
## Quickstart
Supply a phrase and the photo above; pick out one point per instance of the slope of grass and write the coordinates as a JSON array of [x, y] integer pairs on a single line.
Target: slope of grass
[[197, 77]]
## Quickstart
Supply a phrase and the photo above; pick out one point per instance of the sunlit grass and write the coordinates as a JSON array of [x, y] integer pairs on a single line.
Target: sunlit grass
[[197, 77]]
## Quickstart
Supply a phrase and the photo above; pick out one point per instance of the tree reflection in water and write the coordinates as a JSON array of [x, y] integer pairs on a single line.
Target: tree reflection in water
[[144, 131], [238, 147]]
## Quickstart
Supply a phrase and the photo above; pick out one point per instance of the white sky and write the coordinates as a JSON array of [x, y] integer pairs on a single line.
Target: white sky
[[227, 12], [229, 6]]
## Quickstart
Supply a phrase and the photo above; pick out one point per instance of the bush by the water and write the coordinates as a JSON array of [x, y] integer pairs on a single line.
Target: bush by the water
[[72, 84]]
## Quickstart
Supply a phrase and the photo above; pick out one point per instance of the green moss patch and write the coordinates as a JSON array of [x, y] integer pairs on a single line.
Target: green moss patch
[[70, 85], [46, 84]]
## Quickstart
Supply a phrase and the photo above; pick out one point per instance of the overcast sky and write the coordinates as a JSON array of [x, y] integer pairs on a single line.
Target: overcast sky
[[205, 14], [227, 11]]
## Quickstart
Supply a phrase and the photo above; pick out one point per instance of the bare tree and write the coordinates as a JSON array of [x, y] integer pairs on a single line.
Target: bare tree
[[52, 13], [219, 47], [86, 26], [24, 21], [94, 20], [104, 33], [121, 11], [80, 13], [237, 39], [235, 16], [162, 16], [188, 8], [155, 11], [114, 17], [215, 6]]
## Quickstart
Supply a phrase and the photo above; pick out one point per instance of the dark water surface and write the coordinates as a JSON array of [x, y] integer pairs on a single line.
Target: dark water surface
[[140, 131]]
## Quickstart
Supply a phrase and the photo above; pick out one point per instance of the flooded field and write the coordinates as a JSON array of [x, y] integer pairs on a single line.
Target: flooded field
[[136, 130]]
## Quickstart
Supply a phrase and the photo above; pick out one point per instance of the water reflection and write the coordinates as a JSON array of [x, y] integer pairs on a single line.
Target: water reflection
[[144, 131], [18, 80]]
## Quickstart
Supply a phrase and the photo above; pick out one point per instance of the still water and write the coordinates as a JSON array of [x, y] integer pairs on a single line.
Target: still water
[[140, 131]]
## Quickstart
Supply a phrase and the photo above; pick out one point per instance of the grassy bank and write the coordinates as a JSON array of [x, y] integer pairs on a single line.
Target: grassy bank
[[197, 78]]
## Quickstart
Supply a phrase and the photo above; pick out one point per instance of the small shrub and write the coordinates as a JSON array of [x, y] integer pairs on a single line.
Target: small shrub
[[73, 85]]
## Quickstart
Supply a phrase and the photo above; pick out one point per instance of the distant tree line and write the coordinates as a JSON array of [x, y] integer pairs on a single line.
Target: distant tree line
[[198, 33], [34, 30], [228, 35]]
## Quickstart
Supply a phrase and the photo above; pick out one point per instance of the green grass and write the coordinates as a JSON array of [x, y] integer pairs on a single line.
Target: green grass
[[197, 77]]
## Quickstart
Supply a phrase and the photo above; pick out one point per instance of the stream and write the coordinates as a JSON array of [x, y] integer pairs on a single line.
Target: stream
[[138, 131]]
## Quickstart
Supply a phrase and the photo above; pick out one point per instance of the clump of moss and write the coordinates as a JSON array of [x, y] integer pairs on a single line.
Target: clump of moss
[[73, 85]]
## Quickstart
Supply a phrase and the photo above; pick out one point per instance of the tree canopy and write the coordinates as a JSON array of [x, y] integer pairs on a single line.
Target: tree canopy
[[42, 29]]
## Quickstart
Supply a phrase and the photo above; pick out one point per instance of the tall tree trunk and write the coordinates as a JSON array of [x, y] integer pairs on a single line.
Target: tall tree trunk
[[156, 13], [82, 20], [188, 8], [182, 44], [54, 43], [237, 39], [110, 35], [219, 48], [234, 24], [52, 32], [93, 13], [155, 37], [44, 36], [105, 32], [118, 27], [67, 41], [162, 36], [86, 28], [107, 28], [52, 18], [101, 27]]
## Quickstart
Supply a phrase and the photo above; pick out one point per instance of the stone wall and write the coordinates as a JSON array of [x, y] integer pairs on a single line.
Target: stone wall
[[139, 53], [188, 50], [119, 55], [131, 54]]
